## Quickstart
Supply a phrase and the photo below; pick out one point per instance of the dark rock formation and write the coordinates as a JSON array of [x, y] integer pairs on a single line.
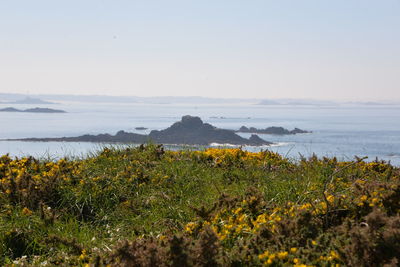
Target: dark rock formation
[[256, 139], [271, 130], [44, 110], [297, 130], [9, 109], [120, 137], [190, 130], [33, 110]]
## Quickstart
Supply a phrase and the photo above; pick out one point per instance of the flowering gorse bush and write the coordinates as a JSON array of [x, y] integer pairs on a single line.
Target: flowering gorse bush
[[145, 206]]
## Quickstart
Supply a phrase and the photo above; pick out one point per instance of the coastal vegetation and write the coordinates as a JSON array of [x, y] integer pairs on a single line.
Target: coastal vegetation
[[144, 206]]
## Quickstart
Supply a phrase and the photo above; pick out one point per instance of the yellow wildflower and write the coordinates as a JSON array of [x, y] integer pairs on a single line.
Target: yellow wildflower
[[237, 211], [26, 211], [330, 198], [264, 255], [334, 255], [190, 227], [162, 237], [83, 255], [282, 255]]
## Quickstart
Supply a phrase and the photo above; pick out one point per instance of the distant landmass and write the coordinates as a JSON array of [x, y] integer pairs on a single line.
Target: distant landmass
[[30, 100], [189, 131], [224, 118], [269, 102], [197, 100], [271, 130], [297, 102], [33, 110], [164, 100]]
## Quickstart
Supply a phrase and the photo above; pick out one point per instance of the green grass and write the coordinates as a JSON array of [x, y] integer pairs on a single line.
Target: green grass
[[80, 211]]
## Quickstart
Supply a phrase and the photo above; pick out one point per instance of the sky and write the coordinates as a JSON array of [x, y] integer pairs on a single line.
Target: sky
[[320, 49]]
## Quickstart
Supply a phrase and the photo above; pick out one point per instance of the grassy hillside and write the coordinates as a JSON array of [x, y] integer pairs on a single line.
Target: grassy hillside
[[149, 207]]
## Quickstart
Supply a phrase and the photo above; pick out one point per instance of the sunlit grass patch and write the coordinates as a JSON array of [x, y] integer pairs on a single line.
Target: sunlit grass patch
[[149, 206]]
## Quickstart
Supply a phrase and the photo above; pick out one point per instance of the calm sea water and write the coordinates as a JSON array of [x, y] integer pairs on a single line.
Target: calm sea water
[[341, 131]]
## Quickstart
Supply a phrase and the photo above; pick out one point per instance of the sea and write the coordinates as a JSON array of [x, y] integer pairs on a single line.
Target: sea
[[342, 131]]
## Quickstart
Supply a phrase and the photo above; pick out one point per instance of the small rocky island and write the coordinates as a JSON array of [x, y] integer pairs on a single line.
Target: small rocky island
[[33, 110], [189, 131], [271, 130]]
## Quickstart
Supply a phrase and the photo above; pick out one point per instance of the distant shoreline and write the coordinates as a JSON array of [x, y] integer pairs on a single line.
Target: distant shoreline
[[33, 110]]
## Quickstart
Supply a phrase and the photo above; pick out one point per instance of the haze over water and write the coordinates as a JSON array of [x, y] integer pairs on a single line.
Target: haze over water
[[342, 50], [343, 131]]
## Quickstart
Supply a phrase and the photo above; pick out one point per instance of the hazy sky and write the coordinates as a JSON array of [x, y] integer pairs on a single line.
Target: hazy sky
[[341, 49]]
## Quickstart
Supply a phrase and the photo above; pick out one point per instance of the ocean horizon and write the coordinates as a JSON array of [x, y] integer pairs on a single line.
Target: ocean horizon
[[337, 131]]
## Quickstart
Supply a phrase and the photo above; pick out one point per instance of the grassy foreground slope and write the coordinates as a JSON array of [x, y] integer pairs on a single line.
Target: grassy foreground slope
[[148, 207]]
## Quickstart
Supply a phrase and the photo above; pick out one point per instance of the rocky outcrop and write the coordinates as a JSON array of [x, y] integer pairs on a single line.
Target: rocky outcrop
[[190, 131], [299, 131], [10, 109], [120, 137], [271, 130]]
